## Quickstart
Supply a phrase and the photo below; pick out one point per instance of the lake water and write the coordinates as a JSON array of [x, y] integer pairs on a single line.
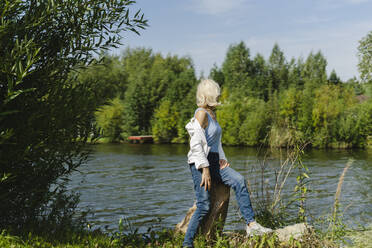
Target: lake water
[[151, 186]]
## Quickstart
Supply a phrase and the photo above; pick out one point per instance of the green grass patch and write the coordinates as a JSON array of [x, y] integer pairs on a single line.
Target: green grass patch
[[165, 238], [361, 238]]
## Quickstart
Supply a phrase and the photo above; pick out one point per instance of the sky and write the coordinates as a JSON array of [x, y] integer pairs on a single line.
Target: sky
[[204, 29]]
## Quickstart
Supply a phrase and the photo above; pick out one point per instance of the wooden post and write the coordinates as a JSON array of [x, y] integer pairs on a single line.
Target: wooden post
[[215, 219]]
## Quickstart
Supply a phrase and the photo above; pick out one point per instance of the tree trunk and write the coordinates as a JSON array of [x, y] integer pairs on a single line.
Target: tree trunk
[[215, 219]]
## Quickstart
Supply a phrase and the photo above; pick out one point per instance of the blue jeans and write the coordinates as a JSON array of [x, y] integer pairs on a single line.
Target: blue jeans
[[227, 176]]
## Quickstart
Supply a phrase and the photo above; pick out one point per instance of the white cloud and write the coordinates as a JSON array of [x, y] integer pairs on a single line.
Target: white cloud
[[215, 7]]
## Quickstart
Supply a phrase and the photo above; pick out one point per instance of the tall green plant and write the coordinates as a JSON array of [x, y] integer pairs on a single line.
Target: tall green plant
[[45, 115]]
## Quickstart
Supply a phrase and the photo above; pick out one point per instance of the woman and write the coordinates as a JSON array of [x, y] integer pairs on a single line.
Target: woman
[[208, 162]]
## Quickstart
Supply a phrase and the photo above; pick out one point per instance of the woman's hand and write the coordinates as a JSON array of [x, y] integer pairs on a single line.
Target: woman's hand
[[206, 179], [223, 164]]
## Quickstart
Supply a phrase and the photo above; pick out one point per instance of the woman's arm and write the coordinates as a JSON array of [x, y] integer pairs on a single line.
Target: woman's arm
[[202, 118], [223, 159]]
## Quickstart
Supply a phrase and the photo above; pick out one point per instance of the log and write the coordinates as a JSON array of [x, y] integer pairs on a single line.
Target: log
[[214, 221]]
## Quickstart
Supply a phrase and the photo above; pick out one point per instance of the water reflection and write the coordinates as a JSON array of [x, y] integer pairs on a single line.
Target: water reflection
[[147, 183]]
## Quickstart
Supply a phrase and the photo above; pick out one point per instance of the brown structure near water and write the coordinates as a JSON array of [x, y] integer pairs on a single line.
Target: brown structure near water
[[141, 139]]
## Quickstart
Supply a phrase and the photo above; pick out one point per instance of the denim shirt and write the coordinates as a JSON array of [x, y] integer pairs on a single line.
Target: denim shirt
[[199, 148]]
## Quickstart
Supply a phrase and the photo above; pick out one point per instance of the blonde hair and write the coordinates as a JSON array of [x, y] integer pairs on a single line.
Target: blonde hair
[[207, 93]]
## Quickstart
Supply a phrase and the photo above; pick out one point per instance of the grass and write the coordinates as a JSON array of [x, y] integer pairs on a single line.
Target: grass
[[165, 238], [70, 240], [361, 238]]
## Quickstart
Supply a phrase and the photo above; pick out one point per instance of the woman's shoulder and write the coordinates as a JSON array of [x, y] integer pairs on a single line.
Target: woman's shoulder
[[202, 117], [200, 109]]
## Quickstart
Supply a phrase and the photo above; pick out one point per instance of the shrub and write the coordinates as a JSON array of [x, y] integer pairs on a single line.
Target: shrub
[[45, 114], [110, 118]]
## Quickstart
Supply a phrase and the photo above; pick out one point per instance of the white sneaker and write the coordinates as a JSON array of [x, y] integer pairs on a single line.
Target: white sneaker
[[257, 229]]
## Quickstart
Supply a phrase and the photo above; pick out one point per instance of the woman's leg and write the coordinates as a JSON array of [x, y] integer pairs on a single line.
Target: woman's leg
[[202, 204], [236, 181]]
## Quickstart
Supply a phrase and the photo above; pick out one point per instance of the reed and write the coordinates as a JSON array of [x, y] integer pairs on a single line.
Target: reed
[[340, 182], [336, 228], [269, 186]]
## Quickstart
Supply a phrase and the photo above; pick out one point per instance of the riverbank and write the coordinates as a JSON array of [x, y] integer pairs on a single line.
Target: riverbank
[[167, 238], [105, 140]]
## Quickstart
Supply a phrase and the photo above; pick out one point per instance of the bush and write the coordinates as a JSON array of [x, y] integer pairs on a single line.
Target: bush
[[354, 125], [254, 128], [165, 120], [230, 116], [45, 114], [110, 118]]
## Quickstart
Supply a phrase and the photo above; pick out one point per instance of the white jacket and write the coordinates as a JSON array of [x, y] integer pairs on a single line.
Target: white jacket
[[199, 148]]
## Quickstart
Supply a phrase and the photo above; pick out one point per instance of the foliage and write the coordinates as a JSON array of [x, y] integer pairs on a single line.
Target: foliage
[[230, 116], [278, 68], [333, 78], [105, 79], [276, 205], [253, 129], [300, 102], [274, 102], [329, 103], [165, 122], [361, 238], [355, 125], [153, 79], [109, 119], [365, 57], [236, 67], [285, 130], [147, 83], [45, 114], [163, 238]]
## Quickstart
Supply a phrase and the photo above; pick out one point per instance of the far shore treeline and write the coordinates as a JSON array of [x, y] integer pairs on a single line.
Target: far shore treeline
[[275, 102]]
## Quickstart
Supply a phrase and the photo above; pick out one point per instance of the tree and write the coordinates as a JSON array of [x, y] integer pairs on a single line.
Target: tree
[[230, 116], [329, 103], [151, 80], [110, 119], [165, 121], [45, 114], [314, 71], [261, 78], [278, 70], [237, 67], [105, 78], [365, 57], [314, 75], [253, 129], [295, 78], [217, 75], [334, 79]]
